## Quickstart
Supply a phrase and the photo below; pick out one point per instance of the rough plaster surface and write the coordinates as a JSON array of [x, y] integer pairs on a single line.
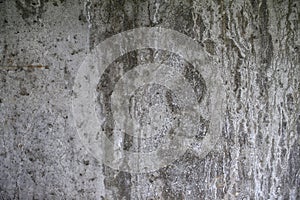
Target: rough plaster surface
[[253, 44]]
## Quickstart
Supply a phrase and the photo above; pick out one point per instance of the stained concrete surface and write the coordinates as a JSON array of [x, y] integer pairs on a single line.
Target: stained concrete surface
[[254, 44]]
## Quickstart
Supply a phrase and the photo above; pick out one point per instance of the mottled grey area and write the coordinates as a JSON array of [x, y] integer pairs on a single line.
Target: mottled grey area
[[255, 45]]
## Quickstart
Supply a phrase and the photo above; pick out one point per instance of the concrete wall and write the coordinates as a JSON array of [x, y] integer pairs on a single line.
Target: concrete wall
[[252, 46]]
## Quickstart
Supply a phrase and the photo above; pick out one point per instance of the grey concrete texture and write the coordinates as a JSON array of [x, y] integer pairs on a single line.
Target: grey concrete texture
[[254, 46]]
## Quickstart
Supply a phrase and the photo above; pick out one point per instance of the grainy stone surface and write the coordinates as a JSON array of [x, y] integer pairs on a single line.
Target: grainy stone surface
[[253, 44]]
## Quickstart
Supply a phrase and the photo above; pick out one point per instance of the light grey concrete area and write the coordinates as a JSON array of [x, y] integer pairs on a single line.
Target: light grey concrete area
[[149, 99]]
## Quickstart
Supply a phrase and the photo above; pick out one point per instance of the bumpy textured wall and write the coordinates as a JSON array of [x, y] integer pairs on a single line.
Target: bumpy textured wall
[[254, 44]]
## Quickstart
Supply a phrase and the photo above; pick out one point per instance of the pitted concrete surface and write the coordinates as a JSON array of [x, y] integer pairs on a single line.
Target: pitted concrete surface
[[253, 45]]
